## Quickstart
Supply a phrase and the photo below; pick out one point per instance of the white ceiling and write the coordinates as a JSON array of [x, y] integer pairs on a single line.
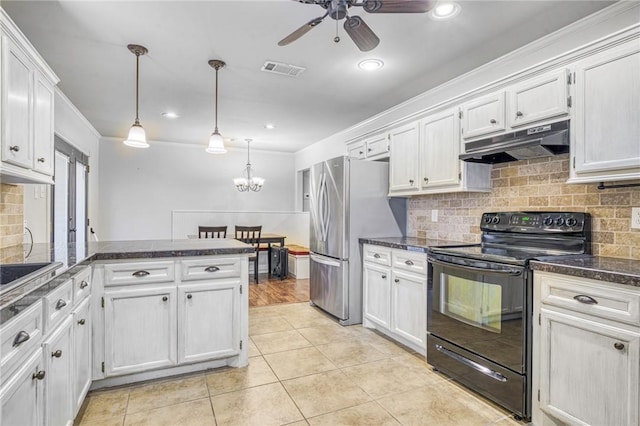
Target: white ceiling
[[85, 44]]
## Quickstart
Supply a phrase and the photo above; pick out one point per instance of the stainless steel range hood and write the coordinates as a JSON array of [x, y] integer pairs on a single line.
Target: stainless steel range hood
[[541, 141]]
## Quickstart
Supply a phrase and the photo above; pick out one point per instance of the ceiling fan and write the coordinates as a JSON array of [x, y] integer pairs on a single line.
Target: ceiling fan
[[355, 26]]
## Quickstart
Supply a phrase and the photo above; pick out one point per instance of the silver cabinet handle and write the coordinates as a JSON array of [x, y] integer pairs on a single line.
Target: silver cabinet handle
[[360, 152], [384, 277], [408, 262], [60, 304], [425, 179], [493, 121], [41, 160], [84, 285], [56, 354], [369, 149], [140, 274], [38, 376], [411, 181], [583, 298], [20, 338], [619, 346], [376, 255], [396, 280], [519, 114], [189, 296], [211, 269], [165, 298], [82, 321], [14, 148]]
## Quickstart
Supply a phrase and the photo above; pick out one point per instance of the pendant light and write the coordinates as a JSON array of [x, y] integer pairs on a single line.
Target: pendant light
[[248, 182], [137, 137], [216, 143]]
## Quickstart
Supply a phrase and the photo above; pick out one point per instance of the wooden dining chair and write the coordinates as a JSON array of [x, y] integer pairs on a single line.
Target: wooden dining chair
[[212, 232], [250, 235]]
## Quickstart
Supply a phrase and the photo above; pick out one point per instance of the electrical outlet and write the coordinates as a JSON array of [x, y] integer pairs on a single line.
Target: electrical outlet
[[635, 217], [434, 215]]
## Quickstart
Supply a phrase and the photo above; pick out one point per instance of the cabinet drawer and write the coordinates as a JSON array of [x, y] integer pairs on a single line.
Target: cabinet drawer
[[208, 269], [377, 254], [81, 285], [410, 262], [19, 337], [591, 297], [138, 273], [57, 305]]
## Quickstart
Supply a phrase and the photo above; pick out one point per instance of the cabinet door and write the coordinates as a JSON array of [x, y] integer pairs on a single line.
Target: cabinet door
[[58, 357], [378, 145], [539, 98], [140, 330], [82, 353], [606, 128], [483, 116], [409, 307], [439, 150], [357, 151], [589, 371], [376, 294], [43, 126], [209, 320], [17, 83], [403, 167], [21, 396]]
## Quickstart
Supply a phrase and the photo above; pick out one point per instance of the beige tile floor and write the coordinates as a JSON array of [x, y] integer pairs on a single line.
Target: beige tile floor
[[304, 369]]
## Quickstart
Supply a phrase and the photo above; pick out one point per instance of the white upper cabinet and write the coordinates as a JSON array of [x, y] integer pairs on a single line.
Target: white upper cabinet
[[439, 150], [403, 165], [372, 148], [605, 130], [357, 150], [484, 116], [26, 109], [539, 98]]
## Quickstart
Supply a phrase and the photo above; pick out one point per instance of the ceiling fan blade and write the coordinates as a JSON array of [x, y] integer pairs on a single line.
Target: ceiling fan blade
[[398, 6], [301, 31], [360, 33]]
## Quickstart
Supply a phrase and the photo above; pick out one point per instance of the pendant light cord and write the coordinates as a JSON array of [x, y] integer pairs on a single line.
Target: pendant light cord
[[216, 126], [137, 78]]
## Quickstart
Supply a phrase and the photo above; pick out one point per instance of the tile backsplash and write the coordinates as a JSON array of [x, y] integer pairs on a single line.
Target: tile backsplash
[[538, 184], [11, 215]]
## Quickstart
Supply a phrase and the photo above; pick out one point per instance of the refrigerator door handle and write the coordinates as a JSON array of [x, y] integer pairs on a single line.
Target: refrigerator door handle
[[326, 210], [324, 260], [317, 224]]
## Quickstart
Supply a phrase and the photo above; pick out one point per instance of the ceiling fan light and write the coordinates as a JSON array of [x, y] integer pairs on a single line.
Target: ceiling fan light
[[216, 144], [137, 137]]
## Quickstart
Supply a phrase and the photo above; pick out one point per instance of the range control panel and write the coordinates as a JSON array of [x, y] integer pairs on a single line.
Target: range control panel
[[535, 222]]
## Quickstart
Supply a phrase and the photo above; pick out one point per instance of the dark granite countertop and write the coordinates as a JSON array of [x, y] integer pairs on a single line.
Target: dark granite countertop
[[409, 243], [76, 258], [609, 269]]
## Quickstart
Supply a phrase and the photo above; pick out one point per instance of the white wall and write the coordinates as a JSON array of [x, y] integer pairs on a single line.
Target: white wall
[[139, 188], [614, 18], [74, 128]]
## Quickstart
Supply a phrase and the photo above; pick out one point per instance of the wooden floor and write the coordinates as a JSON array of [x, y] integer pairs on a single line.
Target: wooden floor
[[270, 291]]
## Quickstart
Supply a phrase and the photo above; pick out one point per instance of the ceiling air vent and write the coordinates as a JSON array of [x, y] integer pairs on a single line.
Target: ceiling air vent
[[283, 69]]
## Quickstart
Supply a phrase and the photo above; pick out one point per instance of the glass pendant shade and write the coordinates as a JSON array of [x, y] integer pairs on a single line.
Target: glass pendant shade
[[137, 137], [216, 144]]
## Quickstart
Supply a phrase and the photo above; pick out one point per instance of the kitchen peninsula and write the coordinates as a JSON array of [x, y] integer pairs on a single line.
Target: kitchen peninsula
[[119, 312]]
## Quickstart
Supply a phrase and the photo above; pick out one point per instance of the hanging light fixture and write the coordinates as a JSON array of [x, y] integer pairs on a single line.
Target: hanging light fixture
[[248, 182], [137, 137], [216, 143]]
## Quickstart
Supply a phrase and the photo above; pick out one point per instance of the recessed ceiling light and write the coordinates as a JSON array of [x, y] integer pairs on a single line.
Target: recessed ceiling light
[[270, 126], [370, 64], [170, 114], [445, 11]]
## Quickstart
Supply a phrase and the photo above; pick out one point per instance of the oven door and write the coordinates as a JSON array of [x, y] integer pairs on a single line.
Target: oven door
[[479, 306]]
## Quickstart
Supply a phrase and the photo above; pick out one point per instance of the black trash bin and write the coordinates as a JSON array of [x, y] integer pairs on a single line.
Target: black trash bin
[[279, 259]]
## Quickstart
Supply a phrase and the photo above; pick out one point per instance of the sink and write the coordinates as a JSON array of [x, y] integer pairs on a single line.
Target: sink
[[10, 273]]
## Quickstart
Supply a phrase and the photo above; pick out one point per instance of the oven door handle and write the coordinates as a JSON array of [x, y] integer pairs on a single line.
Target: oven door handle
[[511, 271], [466, 361]]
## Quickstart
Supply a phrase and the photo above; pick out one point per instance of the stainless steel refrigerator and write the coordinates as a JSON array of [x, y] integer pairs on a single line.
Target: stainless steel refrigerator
[[348, 201]]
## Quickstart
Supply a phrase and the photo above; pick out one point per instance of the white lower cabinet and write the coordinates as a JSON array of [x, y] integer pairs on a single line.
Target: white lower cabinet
[[395, 294], [21, 397], [208, 320], [586, 361], [140, 329], [58, 357], [82, 352]]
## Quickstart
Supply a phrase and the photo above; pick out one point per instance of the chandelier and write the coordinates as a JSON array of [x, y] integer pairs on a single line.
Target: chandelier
[[248, 182]]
